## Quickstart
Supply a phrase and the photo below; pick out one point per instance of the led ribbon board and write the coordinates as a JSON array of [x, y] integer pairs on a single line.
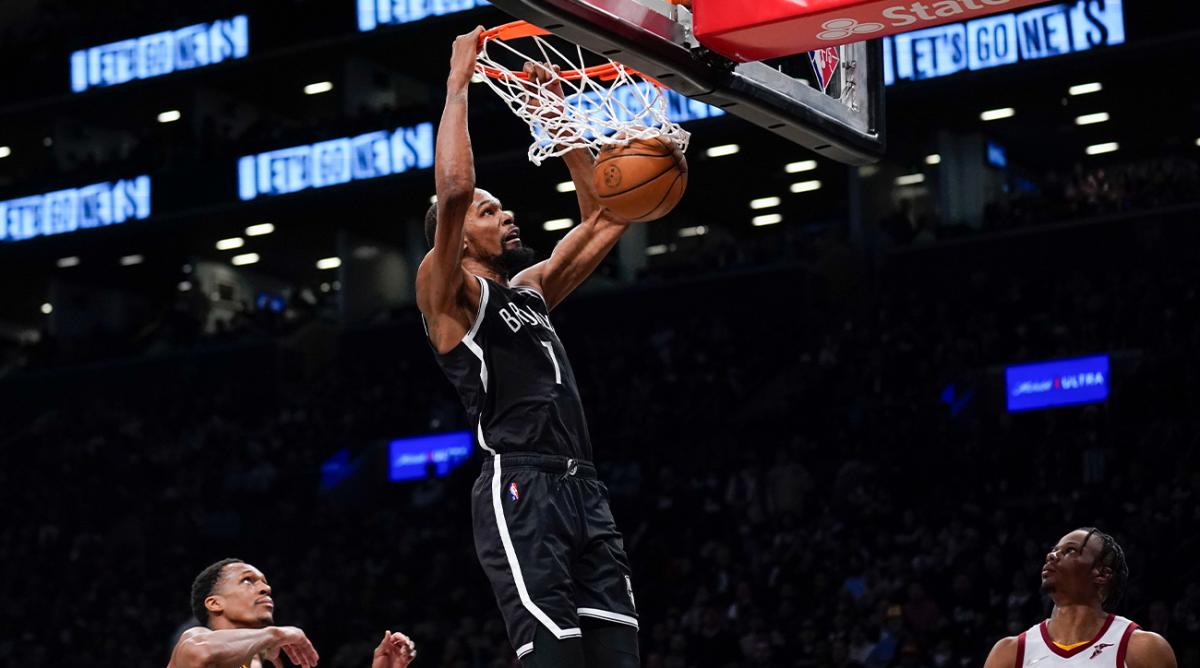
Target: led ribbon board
[[374, 13], [64, 211], [1003, 39], [336, 161], [680, 108], [1084, 380], [410, 458], [161, 53]]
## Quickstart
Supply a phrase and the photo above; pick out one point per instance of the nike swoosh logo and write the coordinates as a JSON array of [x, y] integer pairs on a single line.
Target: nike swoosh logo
[[1038, 659]]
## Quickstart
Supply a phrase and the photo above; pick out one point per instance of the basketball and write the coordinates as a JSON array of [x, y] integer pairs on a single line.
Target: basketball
[[642, 180]]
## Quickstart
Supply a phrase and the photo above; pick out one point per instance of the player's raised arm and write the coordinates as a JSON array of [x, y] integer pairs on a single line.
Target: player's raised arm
[[231, 648], [442, 283], [579, 253]]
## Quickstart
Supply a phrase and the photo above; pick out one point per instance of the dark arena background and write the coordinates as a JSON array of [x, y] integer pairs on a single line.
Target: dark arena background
[[842, 412]]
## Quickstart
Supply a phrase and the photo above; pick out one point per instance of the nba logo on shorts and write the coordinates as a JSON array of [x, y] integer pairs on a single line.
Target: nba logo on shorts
[[514, 492]]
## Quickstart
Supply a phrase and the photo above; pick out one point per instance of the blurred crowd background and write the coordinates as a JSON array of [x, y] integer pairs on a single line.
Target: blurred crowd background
[[798, 407], [811, 467]]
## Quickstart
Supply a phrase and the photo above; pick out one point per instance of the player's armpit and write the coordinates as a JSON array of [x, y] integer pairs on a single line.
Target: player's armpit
[[1149, 650], [573, 259], [1003, 654]]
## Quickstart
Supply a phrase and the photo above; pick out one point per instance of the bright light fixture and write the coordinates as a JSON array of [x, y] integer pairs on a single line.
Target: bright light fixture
[[565, 187], [910, 179], [557, 224], [768, 219], [130, 260], [231, 243], [433, 199], [1107, 147], [658, 249], [169, 116], [329, 263], [5, 151], [934, 159], [764, 202], [802, 166], [244, 259], [259, 229], [697, 231], [68, 262], [1092, 119], [1085, 89], [722, 150], [184, 286], [997, 114], [47, 308], [318, 88], [805, 186]]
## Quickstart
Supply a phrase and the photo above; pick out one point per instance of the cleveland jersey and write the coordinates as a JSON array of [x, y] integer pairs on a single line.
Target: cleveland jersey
[[1106, 650], [513, 377]]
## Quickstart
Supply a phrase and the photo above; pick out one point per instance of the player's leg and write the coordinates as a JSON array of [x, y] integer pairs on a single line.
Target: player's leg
[[550, 652], [604, 587], [609, 645], [524, 544]]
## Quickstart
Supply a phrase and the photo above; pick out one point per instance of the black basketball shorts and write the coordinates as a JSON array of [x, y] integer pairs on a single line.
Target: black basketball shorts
[[547, 540]]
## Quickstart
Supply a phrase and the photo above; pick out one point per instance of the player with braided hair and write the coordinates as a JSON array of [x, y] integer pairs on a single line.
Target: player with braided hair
[[1085, 575]]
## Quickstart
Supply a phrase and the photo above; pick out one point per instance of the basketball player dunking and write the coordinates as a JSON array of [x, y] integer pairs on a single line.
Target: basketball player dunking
[[1084, 574], [232, 601], [544, 533]]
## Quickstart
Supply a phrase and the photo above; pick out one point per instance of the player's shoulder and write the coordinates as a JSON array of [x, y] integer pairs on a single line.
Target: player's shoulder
[[181, 654], [1004, 653], [194, 632], [1148, 649]]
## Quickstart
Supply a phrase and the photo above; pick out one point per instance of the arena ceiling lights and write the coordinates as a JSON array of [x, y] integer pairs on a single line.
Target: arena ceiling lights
[[1092, 119], [1085, 89], [318, 87], [722, 150], [1101, 149], [997, 114]]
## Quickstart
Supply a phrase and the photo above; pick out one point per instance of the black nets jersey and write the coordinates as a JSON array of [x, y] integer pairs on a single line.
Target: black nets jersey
[[513, 377]]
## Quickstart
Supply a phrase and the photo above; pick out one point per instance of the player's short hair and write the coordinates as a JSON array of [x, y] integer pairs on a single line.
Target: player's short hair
[[1112, 557], [431, 223], [202, 587]]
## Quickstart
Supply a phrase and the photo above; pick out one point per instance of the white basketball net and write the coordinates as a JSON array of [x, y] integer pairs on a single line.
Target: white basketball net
[[592, 114]]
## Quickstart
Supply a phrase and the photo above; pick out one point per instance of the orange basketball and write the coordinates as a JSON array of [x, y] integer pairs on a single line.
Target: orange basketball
[[642, 180]]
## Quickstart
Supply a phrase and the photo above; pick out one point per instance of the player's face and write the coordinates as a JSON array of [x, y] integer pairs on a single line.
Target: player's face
[[1071, 568], [490, 229], [244, 596]]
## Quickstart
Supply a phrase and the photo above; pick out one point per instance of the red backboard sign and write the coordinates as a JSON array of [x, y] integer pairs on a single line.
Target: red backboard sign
[[764, 29]]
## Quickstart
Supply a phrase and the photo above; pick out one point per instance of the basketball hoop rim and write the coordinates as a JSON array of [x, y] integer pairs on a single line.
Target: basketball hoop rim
[[524, 29]]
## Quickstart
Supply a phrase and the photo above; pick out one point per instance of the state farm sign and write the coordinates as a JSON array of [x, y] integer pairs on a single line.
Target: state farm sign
[[745, 31]]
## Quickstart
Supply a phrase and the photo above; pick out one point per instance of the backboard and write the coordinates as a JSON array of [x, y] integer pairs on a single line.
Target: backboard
[[845, 122]]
